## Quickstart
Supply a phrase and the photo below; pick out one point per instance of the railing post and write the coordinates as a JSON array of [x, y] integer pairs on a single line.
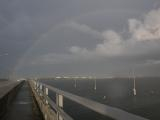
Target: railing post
[[46, 93], [40, 89], [59, 102], [37, 86], [34, 84]]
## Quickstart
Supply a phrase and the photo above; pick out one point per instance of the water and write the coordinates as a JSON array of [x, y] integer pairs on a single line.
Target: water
[[117, 92]]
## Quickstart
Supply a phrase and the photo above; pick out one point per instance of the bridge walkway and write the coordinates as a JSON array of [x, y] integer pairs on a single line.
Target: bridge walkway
[[23, 106]]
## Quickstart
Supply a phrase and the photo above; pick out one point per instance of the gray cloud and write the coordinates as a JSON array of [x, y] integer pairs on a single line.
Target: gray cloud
[[91, 37], [113, 44], [148, 29], [83, 28], [113, 51], [152, 62]]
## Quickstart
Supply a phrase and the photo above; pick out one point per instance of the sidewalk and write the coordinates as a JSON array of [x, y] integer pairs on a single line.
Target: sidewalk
[[23, 106]]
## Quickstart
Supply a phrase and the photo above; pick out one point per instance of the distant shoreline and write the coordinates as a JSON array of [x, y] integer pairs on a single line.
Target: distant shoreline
[[73, 78]]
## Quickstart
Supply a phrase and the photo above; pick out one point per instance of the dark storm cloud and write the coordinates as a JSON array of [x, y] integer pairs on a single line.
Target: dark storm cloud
[[23, 23]]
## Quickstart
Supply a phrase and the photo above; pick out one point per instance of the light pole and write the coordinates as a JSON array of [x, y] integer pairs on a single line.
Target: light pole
[[95, 84], [134, 84], [75, 82]]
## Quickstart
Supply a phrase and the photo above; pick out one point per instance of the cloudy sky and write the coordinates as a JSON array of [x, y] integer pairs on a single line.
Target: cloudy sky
[[79, 37]]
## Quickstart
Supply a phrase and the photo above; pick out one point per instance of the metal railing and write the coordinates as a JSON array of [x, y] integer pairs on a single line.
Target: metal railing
[[112, 112]]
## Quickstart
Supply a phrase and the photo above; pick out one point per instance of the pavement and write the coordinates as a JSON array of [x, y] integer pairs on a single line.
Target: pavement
[[23, 106]]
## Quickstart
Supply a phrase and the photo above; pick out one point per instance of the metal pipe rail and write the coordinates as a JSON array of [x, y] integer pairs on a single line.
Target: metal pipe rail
[[105, 110]]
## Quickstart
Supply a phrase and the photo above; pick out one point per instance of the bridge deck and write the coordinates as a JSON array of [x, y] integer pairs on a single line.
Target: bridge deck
[[23, 106]]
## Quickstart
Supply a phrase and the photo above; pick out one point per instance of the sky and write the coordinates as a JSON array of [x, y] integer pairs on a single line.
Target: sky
[[79, 38]]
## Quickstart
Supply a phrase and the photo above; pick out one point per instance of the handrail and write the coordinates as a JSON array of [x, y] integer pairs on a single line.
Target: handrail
[[50, 102], [105, 110], [65, 115]]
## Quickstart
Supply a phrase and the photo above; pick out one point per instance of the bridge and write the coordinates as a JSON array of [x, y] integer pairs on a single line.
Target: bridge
[[32, 101]]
